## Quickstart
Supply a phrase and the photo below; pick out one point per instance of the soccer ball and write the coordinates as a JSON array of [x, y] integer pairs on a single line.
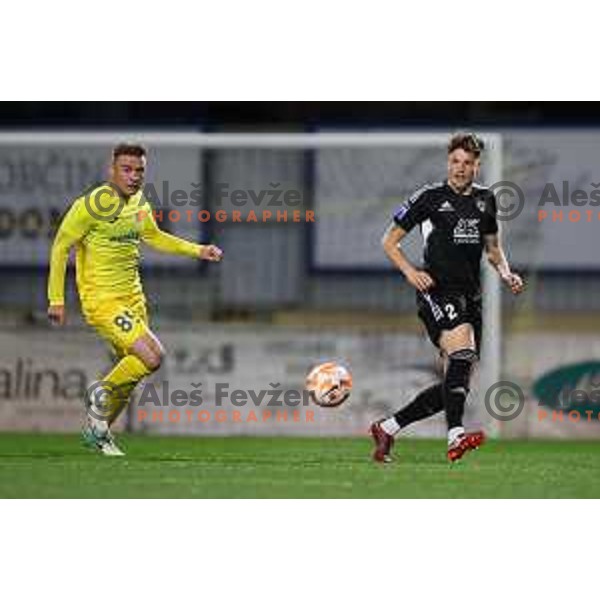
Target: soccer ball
[[329, 384]]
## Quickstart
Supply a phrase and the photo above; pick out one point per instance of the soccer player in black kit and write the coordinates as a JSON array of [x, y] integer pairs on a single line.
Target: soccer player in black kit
[[457, 219]]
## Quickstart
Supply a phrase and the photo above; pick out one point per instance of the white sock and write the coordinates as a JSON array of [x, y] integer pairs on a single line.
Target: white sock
[[454, 433], [390, 426]]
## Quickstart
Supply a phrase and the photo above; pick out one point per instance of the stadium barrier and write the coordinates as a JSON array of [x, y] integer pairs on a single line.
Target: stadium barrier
[[242, 380], [243, 375]]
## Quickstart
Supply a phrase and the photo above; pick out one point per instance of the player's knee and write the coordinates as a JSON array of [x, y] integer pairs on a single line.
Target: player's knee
[[460, 367], [151, 354], [154, 358], [467, 355]]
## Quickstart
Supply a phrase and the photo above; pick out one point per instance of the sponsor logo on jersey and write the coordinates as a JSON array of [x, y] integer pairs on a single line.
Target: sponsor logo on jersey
[[446, 207], [466, 231], [128, 236]]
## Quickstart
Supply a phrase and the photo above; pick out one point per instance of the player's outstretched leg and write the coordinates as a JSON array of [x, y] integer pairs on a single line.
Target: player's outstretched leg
[[427, 403], [456, 390]]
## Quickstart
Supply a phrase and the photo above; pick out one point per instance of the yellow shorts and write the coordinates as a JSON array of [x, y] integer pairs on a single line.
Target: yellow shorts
[[121, 321]]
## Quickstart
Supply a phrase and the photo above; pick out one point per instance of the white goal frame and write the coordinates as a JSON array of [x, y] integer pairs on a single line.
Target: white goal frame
[[490, 369]]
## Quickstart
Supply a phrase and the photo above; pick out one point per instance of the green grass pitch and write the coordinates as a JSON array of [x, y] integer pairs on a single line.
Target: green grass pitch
[[57, 466]]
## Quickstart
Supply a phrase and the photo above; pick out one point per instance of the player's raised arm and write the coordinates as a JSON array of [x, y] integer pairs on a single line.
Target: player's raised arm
[[73, 228], [497, 258], [165, 242]]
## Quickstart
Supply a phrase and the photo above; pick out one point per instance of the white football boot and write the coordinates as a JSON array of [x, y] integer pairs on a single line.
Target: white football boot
[[96, 433]]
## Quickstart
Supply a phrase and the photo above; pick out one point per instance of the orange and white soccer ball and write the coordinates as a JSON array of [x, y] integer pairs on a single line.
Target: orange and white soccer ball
[[329, 384]]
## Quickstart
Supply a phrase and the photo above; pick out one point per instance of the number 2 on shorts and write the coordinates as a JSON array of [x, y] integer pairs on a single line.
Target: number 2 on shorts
[[450, 311]]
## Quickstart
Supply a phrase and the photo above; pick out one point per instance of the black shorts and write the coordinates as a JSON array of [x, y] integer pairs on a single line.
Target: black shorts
[[447, 310]]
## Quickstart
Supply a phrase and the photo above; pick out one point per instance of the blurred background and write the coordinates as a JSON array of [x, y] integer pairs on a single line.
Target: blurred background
[[290, 294]]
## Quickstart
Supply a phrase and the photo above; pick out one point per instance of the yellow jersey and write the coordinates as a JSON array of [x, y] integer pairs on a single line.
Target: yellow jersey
[[106, 230]]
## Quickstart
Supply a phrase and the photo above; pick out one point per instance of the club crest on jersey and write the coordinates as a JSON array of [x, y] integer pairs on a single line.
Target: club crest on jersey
[[481, 205]]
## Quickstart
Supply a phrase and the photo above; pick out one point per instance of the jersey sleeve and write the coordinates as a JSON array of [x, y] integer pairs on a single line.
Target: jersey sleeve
[[414, 211], [73, 228], [165, 242], [489, 222], [78, 220]]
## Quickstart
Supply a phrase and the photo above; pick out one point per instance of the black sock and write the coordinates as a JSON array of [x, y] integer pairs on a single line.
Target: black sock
[[427, 403], [456, 386], [455, 409]]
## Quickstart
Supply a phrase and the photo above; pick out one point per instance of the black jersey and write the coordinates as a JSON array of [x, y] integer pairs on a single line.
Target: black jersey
[[452, 226]]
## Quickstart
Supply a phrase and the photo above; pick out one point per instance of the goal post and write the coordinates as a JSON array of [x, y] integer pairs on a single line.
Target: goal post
[[491, 359]]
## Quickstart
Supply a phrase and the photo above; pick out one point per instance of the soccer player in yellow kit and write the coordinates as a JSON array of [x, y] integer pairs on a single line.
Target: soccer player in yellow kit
[[106, 225]]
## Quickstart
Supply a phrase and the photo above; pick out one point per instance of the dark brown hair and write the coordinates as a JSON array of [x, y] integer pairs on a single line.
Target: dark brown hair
[[128, 150], [468, 142]]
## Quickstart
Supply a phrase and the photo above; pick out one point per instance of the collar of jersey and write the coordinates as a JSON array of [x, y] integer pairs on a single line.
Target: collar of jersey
[[449, 187]]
